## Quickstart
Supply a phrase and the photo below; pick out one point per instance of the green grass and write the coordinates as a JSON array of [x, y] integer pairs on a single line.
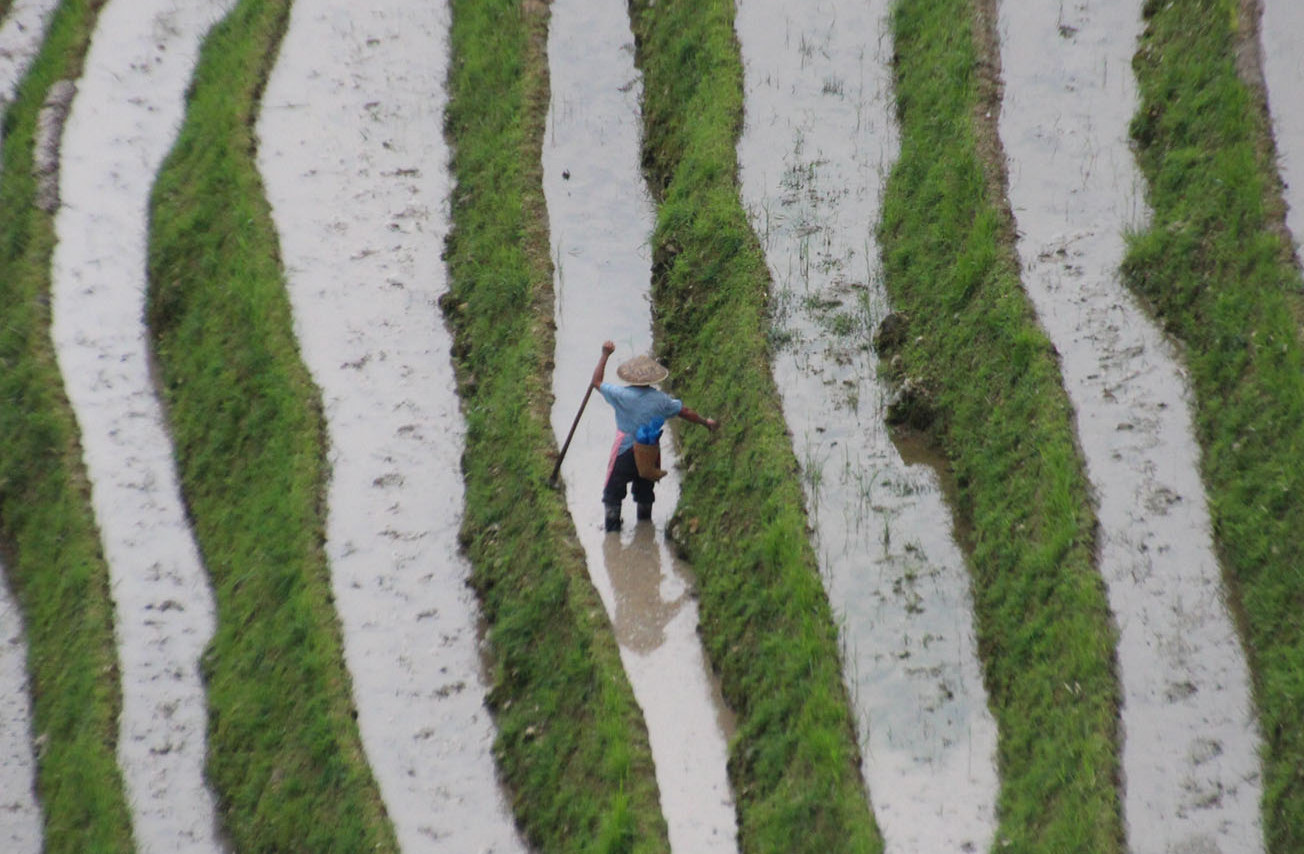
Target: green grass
[[1004, 422], [50, 543], [765, 619], [285, 757], [1217, 270], [571, 741]]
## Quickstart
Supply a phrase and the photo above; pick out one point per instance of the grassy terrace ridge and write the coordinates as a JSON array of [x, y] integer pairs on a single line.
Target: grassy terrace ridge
[[572, 744], [284, 756], [48, 535], [1218, 271], [1003, 419], [741, 521]]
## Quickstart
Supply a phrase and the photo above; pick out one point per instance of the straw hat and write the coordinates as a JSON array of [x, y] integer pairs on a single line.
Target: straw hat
[[642, 370]]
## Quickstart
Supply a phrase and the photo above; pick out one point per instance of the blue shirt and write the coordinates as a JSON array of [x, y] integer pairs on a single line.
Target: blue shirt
[[637, 405]]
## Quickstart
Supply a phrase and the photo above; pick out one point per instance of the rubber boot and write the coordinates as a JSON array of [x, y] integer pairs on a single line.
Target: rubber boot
[[613, 517], [645, 512]]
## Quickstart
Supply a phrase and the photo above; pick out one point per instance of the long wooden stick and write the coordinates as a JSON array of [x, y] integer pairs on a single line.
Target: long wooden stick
[[552, 481]]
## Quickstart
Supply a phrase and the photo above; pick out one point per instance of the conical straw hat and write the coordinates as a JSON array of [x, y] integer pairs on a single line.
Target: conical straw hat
[[642, 370]]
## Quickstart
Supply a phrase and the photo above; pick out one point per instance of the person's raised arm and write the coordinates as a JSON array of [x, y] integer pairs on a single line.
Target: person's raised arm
[[691, 415], [600, 371]]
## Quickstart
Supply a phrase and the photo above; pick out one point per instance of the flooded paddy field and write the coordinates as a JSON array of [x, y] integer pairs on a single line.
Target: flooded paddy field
[[21, 32], [129, 102], [600, 220], [1190, 740], [818, 142], [20, 814], [1281, 33], [356, 170], [355, 165]]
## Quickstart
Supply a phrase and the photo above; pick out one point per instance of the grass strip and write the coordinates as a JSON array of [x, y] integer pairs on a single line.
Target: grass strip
[[765, 617], [1005, 424], [1216, 267], [285, 757], [48, 533], [571, 739]]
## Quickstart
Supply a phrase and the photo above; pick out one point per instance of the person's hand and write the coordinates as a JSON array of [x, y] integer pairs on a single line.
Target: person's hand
[[608, 347], [712, 424]]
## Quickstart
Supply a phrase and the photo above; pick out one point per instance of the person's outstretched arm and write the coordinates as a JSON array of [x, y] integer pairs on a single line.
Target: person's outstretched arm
[[600, 371], [691, 415]]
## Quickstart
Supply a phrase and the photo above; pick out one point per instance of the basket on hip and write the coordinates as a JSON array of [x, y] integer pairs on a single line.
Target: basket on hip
[[647, 451]]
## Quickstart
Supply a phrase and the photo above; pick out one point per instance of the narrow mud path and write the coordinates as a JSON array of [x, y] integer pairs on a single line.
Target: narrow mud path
[[129, 104], [21, 34], [1281, 31], [355, 165], [816, 148], [601, 219], [1190, 741]]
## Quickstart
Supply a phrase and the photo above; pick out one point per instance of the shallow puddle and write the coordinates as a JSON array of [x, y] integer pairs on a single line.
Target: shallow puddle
[[1281, 31], [814, 154], [129, 105], [1190, 742], [352, 154], [601, 220]]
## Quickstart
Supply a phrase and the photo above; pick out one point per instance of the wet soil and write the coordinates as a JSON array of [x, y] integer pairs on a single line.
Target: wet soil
[[601, 219], [352, 154], [129, 104], [1281, 34], [1190, 741], [817, 146]]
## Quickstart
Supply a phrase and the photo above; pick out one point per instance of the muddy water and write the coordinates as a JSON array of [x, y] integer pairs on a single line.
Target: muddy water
[[1281, 32], [1190, 743], [353, 158], [817, 145], [122, 123], [601, 219], [20, 815]]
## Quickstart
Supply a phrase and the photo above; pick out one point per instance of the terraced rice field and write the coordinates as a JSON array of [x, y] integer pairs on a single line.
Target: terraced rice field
[[997, 546]]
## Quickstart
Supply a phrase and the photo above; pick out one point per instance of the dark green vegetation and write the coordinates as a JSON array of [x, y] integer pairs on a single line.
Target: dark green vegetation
[[1218, 271], [50, 543], [285, 758], [1004, 422], [765, 620], [571, 741]]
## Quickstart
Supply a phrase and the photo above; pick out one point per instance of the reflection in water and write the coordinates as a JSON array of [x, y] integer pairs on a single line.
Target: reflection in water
[[636, 578], [600, 216]]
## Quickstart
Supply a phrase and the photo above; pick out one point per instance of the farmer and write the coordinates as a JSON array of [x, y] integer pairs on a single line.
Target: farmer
[[637, 405]]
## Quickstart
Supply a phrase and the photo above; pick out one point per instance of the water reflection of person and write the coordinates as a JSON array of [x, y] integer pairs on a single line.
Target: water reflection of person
[[635, 404], [635, 571]]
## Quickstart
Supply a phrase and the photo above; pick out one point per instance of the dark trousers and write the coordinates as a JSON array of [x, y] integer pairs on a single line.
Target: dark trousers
[[623, 472]]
